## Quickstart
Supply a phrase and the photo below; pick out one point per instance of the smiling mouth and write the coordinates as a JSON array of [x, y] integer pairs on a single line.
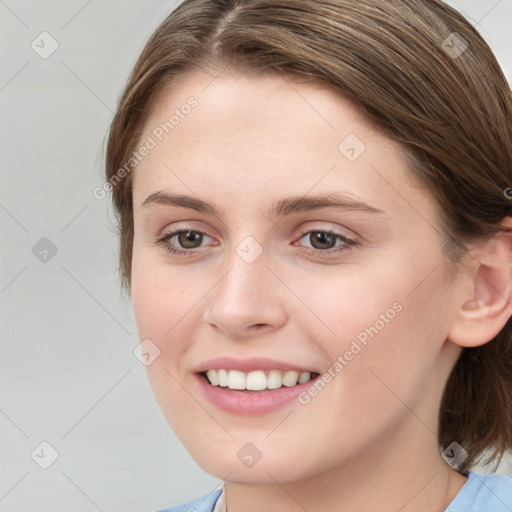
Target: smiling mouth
[[258, 380]]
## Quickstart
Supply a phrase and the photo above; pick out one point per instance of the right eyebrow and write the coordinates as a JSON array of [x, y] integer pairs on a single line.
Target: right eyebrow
[[181, 201]]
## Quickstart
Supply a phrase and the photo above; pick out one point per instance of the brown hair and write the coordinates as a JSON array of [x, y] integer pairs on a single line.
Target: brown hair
[[406, 66]]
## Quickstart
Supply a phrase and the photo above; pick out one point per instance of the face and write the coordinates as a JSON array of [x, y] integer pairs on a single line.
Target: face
[[281, 242]]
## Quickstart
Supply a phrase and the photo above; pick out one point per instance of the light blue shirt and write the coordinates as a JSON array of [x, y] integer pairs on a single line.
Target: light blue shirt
[[481, 493], [484, 493], [204, 504]]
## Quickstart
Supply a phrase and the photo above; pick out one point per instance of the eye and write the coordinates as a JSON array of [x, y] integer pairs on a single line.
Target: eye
[[182, 241], [189, 239], [186, 241], [324, 241]]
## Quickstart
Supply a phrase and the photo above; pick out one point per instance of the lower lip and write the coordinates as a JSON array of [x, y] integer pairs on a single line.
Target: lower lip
[[246, 403]]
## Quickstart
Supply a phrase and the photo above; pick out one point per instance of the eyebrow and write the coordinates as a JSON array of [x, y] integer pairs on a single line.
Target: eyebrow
[[181, 201], [281, 208]]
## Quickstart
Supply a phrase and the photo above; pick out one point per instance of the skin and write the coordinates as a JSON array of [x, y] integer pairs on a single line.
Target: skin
[[368, 440]]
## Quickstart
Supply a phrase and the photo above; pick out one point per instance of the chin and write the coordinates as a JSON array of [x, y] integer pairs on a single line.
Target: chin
[[259, 474], [227, 463]]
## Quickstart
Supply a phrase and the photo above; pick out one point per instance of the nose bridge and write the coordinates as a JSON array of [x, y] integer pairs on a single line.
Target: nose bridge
[[243, 283], [247, 293]]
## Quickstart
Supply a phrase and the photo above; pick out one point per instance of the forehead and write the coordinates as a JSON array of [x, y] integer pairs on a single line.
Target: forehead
[[249, 104], [221, 135]]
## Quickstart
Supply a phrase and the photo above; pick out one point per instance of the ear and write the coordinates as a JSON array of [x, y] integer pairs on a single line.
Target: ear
[[484, 312]]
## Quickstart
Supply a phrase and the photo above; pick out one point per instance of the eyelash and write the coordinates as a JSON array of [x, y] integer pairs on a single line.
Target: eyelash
[[349, 243]]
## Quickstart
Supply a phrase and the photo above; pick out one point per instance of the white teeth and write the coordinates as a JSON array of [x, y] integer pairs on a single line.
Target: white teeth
[[236, 380], [257, 380], [304, 377], [274, 379], [290, 379], [223, 377], [213, 377]]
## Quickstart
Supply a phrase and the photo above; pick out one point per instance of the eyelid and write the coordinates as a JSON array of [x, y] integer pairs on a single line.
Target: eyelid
[[328, 227], [185, 224]]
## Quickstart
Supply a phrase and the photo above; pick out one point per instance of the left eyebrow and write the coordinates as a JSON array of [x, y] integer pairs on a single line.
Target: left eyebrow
[[281, 208], [333, 200]]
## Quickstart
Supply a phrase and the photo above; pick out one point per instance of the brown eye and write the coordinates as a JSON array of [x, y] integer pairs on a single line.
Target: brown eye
[[189, 239], [322, 240], [326, 242], [186, 242]]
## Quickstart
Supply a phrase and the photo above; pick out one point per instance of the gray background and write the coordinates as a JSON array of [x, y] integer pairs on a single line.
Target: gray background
[[68, 374]]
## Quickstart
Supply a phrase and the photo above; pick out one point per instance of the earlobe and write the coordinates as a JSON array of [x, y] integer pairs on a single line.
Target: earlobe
[[482, 317]]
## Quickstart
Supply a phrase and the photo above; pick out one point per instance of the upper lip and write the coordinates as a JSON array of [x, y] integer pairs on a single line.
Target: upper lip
[[249, 365]]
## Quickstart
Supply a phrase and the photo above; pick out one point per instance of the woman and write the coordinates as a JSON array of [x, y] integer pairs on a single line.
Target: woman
[[315, 232]]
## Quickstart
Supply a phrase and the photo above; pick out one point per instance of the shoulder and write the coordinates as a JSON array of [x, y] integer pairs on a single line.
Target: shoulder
[[203, 504], [484, 493]]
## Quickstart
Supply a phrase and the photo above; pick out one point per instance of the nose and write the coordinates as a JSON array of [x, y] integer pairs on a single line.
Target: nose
[[247, 301]]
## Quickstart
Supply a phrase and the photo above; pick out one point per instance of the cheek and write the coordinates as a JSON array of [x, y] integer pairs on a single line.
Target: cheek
[[162, 308], [379, 330], [161, 298], [340, 305]]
